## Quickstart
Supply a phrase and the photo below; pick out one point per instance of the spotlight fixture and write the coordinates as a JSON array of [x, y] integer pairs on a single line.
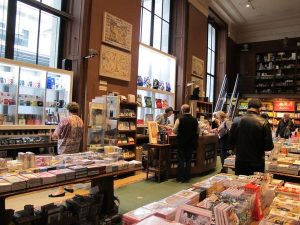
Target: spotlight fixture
[[249, 4]]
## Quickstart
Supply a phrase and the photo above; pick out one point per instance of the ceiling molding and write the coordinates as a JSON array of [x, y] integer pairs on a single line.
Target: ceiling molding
[[201, 5]]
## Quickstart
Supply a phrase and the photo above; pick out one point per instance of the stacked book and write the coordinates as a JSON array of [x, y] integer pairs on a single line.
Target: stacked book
[[47, 178], [60, 175], [33, 179], [5, 186], [154, 220], [69, 174], [17, 182], [80, 171], [192, 196], [162, 210]]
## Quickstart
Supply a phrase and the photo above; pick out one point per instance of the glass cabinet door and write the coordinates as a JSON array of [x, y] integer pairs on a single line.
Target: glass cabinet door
[[31, 96], [8, 93], [57, 96]]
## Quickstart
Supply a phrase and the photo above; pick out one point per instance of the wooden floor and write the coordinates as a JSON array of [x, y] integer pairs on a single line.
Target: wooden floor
[[39, 198]]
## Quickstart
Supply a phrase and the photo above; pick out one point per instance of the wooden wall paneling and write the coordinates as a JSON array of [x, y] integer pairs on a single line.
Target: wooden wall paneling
[[178, 35], [232, 62], [196, 41]]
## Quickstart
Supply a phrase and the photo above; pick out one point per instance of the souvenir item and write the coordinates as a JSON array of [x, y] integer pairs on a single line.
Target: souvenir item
[[168, 86], [148, 101], [158, 103], [191, 215], [161, 86], [139, 100], [147, 82], [148, 117], [165, 103], [139, 81], [155, 84]]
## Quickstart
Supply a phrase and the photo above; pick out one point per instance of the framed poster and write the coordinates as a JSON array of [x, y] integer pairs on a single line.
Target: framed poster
[[197, 67], [115, 64], [116, 31], [153, 132]]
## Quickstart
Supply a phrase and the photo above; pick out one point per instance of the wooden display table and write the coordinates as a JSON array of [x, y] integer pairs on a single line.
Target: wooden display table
[[104, 181], [161, 154]]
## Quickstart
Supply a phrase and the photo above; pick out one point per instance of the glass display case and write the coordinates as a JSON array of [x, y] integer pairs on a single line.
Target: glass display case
[[156, 83], [32, 94]]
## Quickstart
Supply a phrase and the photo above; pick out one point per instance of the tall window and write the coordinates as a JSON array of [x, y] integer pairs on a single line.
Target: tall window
[[211, 63], [36, 27], [155, 24]]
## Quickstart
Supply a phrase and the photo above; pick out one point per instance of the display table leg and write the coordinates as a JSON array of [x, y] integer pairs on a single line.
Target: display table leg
[[3, 215], [106, 186]]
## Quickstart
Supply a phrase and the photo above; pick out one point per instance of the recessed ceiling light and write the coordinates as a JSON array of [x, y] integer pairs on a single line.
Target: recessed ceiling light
[[248, 5]]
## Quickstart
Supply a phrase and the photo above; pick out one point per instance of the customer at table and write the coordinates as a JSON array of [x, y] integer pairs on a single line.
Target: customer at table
[[68, 133], [187, 130], [285, 127], [163, 121], [250, 136]]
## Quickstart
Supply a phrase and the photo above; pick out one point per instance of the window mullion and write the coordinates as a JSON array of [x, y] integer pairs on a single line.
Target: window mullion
[[10, 29], [38, 38], [152, 23]]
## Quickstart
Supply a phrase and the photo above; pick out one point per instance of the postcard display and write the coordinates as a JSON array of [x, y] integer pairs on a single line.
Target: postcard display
[[224, 199], [155, 84], [31, 97]]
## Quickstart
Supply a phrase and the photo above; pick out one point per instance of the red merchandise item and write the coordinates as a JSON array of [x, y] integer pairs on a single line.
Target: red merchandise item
[[159, 103], [257, 213]]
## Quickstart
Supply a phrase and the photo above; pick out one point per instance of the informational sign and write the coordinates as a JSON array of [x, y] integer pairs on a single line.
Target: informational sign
[[284, 106]]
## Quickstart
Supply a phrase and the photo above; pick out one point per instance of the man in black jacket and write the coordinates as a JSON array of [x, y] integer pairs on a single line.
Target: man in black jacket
[[250, 136], [285, 127], [187, 131]]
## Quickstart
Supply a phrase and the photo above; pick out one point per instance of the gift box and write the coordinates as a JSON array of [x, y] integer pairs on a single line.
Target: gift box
[[154, 220], [33, 180], [162, 210], [17, 182]]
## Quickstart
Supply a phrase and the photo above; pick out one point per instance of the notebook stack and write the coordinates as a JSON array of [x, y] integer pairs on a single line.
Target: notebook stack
[[47, 178], [192, 196], [154, 220], [60, 175], [80, 171], [17, 182], [34, 179], [5, 186], [136, 216], [162, 210]]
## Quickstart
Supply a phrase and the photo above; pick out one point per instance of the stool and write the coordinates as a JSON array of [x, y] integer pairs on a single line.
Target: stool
[[163, 159]]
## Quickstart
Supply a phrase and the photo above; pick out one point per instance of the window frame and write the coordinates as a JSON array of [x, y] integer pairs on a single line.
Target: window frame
[[209, 75], [11, 26], [153, 16]]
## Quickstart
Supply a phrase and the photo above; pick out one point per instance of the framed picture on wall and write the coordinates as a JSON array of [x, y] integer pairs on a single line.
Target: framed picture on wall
[[115, 63], [116, 31], [197, 67]]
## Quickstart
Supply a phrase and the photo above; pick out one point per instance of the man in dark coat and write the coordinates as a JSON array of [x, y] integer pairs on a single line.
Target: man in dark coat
[[285, 127], [187, 130], [250, 136]]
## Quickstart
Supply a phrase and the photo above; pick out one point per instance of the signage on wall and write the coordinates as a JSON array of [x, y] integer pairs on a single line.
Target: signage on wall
[[287, 106]]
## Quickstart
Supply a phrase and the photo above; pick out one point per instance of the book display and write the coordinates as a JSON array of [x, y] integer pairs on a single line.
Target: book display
[[201, 110], [277, 72], [155, 83], [275, 109], [35, 172], [224, 199]]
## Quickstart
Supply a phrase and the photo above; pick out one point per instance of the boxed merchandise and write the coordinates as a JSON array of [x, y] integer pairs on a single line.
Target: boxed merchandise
[[191, 195], [17, 182], [47, 178], [174, 200], [277, 219], [162, 210], [5, 186], [80, 171], [33, 180], [136, 216], [63, 174]]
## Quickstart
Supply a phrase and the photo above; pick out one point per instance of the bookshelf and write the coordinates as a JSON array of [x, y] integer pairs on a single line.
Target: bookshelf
[[271, 106], [127, 129], [201, 109], [278, 72]]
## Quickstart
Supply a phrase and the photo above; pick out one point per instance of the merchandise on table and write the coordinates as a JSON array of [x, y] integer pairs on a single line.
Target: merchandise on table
[[136, 215], [154, 220]]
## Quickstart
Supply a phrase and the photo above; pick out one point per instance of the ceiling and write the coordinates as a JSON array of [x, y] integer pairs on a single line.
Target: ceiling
[[267, 20]]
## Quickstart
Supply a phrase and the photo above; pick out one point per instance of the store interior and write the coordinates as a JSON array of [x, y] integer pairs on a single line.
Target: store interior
[[132, 66]]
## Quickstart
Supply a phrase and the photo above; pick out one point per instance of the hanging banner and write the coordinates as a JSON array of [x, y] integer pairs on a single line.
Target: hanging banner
[[284, 106]]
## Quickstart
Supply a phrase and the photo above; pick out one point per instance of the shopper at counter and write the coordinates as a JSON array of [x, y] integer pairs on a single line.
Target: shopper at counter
[[163, 121], [250, 136], [223, 134], [285, 127], [68, 133], [187, 130]]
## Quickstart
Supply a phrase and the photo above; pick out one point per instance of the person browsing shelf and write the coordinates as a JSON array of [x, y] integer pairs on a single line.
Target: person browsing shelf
[[68, 133], [285, 127], [163, 121], [250, 136]]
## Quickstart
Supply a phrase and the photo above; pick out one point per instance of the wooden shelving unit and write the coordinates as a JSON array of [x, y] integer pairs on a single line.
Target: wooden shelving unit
[[201, 108], [278, 72]]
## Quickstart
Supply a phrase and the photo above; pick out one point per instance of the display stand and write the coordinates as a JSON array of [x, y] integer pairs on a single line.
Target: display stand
[[104, 181], [163, 160]]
